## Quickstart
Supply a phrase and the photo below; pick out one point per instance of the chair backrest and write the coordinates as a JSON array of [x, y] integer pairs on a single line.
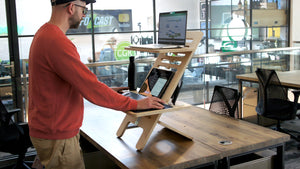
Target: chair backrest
[[4, 116], [269, 88], [225, 101], [14, 137], [176, 92]]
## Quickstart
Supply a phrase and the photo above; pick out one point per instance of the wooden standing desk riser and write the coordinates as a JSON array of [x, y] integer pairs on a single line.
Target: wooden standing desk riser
[[178, 61], [289, 79]]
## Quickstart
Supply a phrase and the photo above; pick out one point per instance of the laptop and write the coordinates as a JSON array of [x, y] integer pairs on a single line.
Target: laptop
[[155, 85], [172, 31]]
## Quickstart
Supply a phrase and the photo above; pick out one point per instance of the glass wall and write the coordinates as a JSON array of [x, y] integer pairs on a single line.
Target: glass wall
[[3, 23], [3, 33], [228, 26], [5, 72], [246, 25], [133, 15], [30, 18], [213, 69]]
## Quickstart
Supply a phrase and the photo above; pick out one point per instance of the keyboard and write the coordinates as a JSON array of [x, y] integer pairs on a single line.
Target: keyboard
[[157, 46], [137, 96]]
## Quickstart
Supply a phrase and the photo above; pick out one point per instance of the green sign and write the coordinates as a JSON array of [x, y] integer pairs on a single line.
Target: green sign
[[121, 53]]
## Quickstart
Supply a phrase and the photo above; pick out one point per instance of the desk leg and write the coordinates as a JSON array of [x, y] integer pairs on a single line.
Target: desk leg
[[241, 99], [223, 163], [279, 161]]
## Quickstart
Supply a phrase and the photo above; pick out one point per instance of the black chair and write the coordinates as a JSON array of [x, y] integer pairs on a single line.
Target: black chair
[[176, 92], [225, 101], [273, 100], [14, 137]]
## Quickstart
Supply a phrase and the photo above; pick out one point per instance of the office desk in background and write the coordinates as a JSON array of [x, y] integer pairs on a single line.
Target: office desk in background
[[167, 149], [289, 79]]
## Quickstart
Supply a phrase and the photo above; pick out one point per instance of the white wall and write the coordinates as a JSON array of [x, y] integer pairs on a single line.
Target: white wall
[[295, 24], [192, 6], [294, 32]]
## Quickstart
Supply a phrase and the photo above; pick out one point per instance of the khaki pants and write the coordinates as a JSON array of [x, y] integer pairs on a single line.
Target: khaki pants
[[59, 154]]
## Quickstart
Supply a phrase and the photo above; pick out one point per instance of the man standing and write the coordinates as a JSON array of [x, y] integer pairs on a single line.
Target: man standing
[[58, 81]]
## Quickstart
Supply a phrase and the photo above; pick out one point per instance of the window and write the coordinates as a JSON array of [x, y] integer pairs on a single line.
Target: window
[[118, 23]]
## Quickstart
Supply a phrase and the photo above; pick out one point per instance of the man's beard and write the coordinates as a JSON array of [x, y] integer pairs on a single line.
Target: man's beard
[[74, 23]]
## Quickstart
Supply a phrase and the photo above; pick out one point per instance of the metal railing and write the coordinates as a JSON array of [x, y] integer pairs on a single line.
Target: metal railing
[[203, 73]]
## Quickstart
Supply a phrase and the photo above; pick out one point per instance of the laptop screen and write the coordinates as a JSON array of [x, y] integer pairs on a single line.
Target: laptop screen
[[156, 82], [172, 28]]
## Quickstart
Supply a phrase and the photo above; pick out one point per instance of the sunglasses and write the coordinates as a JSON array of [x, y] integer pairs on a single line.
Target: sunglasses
[[85, 9]]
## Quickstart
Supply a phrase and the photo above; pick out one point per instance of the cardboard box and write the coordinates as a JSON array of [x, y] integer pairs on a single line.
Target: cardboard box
[[267, 17], [250, 96], [6, 91], [271, 5], [249, 105], [249, 114], [260, 160]]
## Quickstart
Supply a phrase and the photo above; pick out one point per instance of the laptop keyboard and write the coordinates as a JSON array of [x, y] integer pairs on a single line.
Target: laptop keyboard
[[139, 97]]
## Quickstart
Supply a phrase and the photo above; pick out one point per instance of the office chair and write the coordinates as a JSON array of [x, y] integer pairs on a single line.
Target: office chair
[[225, 101], [14, 137], [273, 100]]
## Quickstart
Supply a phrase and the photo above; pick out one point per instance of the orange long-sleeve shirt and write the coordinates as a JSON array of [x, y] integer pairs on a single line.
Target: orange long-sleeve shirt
[[58, 81]]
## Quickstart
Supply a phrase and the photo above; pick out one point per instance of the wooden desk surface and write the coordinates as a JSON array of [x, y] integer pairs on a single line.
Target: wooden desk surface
[[174, 50], [289, 78], [209, 128], [167, 149], [164, 149]]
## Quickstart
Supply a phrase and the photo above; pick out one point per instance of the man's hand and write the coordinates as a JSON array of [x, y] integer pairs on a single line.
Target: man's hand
[[147, 103], [150, 103]]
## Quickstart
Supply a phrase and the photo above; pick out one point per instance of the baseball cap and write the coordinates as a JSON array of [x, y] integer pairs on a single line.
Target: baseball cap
[[57, 2]]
